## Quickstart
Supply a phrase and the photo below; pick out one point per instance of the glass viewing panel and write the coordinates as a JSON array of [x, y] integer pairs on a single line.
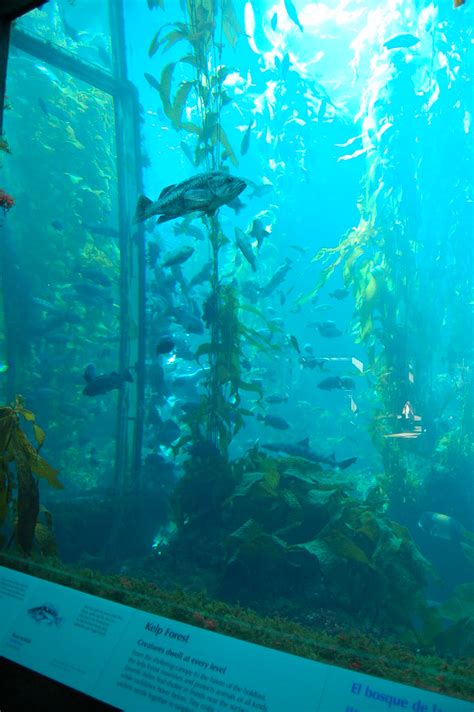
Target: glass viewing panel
[[79, 27], [63, 236], [306, 478]]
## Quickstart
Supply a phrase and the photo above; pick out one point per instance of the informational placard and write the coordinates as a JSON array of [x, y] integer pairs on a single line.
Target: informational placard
[[138, 661]]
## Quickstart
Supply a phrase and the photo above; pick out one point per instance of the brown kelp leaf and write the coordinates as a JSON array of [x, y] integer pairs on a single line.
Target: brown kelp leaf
[[203, 349], [27, 414], [8, 423], [191, 128], [42, 468], [165, 87], [5, 490], [221, 136], [45, 539], [39, 435], [343, 546], [181, 33], [180, 102], [230, 22], [152, 81], [156, 42]]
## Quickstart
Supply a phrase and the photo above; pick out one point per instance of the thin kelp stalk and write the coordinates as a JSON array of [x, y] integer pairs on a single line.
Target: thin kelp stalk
[[194, 107], [214, 355], [406, 262]]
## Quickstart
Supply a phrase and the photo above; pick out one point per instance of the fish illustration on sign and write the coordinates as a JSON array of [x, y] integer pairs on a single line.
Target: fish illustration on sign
[[46, 613]]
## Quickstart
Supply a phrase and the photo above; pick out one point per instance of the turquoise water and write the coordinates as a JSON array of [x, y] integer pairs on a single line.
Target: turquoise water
[[285, 412]]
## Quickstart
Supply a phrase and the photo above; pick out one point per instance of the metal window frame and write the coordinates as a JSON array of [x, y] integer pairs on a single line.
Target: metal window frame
[[130, 407]]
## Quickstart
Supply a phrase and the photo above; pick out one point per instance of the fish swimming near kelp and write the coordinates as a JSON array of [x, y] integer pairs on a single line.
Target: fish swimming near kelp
[[205, 192], [245, 247], [443, 526], [274, 421], [178, 257], [99, 385], [302, 449]]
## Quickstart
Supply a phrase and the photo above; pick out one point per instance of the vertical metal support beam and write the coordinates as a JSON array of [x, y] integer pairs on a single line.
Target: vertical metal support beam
[[132, 258], [4, 44]]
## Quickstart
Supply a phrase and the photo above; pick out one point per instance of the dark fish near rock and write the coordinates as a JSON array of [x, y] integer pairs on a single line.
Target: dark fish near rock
[[330, 383], [178, 257], [274, 421], [328, 329], [95, 275], [165, 345], [99, 385], [274, 400], [205, 192], [312, 363], [102, 230], [339, 294], [336, 382], [168, 431], [302, 449]]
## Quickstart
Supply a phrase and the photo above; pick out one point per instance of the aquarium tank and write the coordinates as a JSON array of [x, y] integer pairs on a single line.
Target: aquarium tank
[[236, 307]]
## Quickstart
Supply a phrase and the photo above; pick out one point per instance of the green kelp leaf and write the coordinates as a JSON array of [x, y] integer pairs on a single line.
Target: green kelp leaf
[[252, 387], [27, 414], [152, 81], [461, 603], [253, 310], [293, 503], [343, 546], [254, 546], [179, 103], [8, 424], [219, 135], [191, 128], [318, 550], [164, 87], [43, 469], [39, 435], [370, 289], [324, 276], [175, 36], [366, 329], [346, 271], [322, 498], [156, 42], [203, 350], [156, 3], [468, 551], [5, 490], [24, 451], [231, 25], [248, 481], [210, 123], [367, 525]]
